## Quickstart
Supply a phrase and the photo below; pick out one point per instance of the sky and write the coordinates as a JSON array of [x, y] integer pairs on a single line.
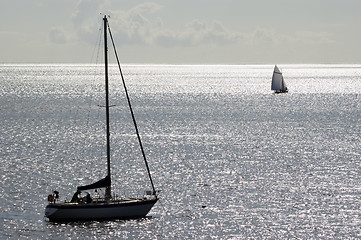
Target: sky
[[183, 32]]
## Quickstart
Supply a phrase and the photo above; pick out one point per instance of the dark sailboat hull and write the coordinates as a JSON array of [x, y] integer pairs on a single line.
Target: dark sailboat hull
[[114, 209], [281, 91]]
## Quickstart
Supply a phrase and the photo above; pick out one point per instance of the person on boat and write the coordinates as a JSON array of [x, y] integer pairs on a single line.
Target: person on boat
[[56, 196], [75, 197], [88, 199]]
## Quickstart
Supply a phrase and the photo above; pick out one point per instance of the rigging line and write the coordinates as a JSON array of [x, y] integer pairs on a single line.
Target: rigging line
[[96, 51], [99, 88], [131, 111], [94, 70], [92, 98], [96, 46]]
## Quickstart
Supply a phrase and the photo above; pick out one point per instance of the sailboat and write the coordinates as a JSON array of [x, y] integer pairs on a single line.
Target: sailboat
[[278, 83], [107, 207]]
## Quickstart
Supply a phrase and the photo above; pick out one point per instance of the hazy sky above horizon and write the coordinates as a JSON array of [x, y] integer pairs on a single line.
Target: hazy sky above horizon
[[183, 32]]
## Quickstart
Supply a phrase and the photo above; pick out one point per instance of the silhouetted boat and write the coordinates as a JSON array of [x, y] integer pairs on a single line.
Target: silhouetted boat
[[278, 83], [108, 207]]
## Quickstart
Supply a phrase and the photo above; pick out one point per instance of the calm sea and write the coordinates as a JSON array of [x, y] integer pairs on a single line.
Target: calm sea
[[231, 159]]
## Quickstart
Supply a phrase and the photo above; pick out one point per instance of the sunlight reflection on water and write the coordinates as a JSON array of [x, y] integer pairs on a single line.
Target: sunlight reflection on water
[[231, 159]]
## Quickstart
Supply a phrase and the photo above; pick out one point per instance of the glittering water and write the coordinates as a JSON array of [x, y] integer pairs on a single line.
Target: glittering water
[[230, 158]]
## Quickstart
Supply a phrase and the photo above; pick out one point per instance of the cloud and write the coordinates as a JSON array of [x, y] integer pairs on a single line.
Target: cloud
[[198, 33], [140, 25], [57, 36], [267, 37], [134, 26], [263, 36], [85, 18], [308, 37]]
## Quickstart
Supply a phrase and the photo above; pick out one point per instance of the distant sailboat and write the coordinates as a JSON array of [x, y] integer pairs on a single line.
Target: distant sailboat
[[278, 83], [109, 207]]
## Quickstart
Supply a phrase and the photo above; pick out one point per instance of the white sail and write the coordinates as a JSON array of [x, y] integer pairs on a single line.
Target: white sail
[[278, 84]]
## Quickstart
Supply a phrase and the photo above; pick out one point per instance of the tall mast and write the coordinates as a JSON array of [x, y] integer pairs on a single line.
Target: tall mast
[[108, 189]]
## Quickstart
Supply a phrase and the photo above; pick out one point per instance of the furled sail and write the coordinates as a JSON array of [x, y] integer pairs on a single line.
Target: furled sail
[[102, 183]]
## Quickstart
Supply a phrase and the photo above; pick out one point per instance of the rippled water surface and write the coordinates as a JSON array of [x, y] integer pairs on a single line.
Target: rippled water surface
[[231, 159]]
